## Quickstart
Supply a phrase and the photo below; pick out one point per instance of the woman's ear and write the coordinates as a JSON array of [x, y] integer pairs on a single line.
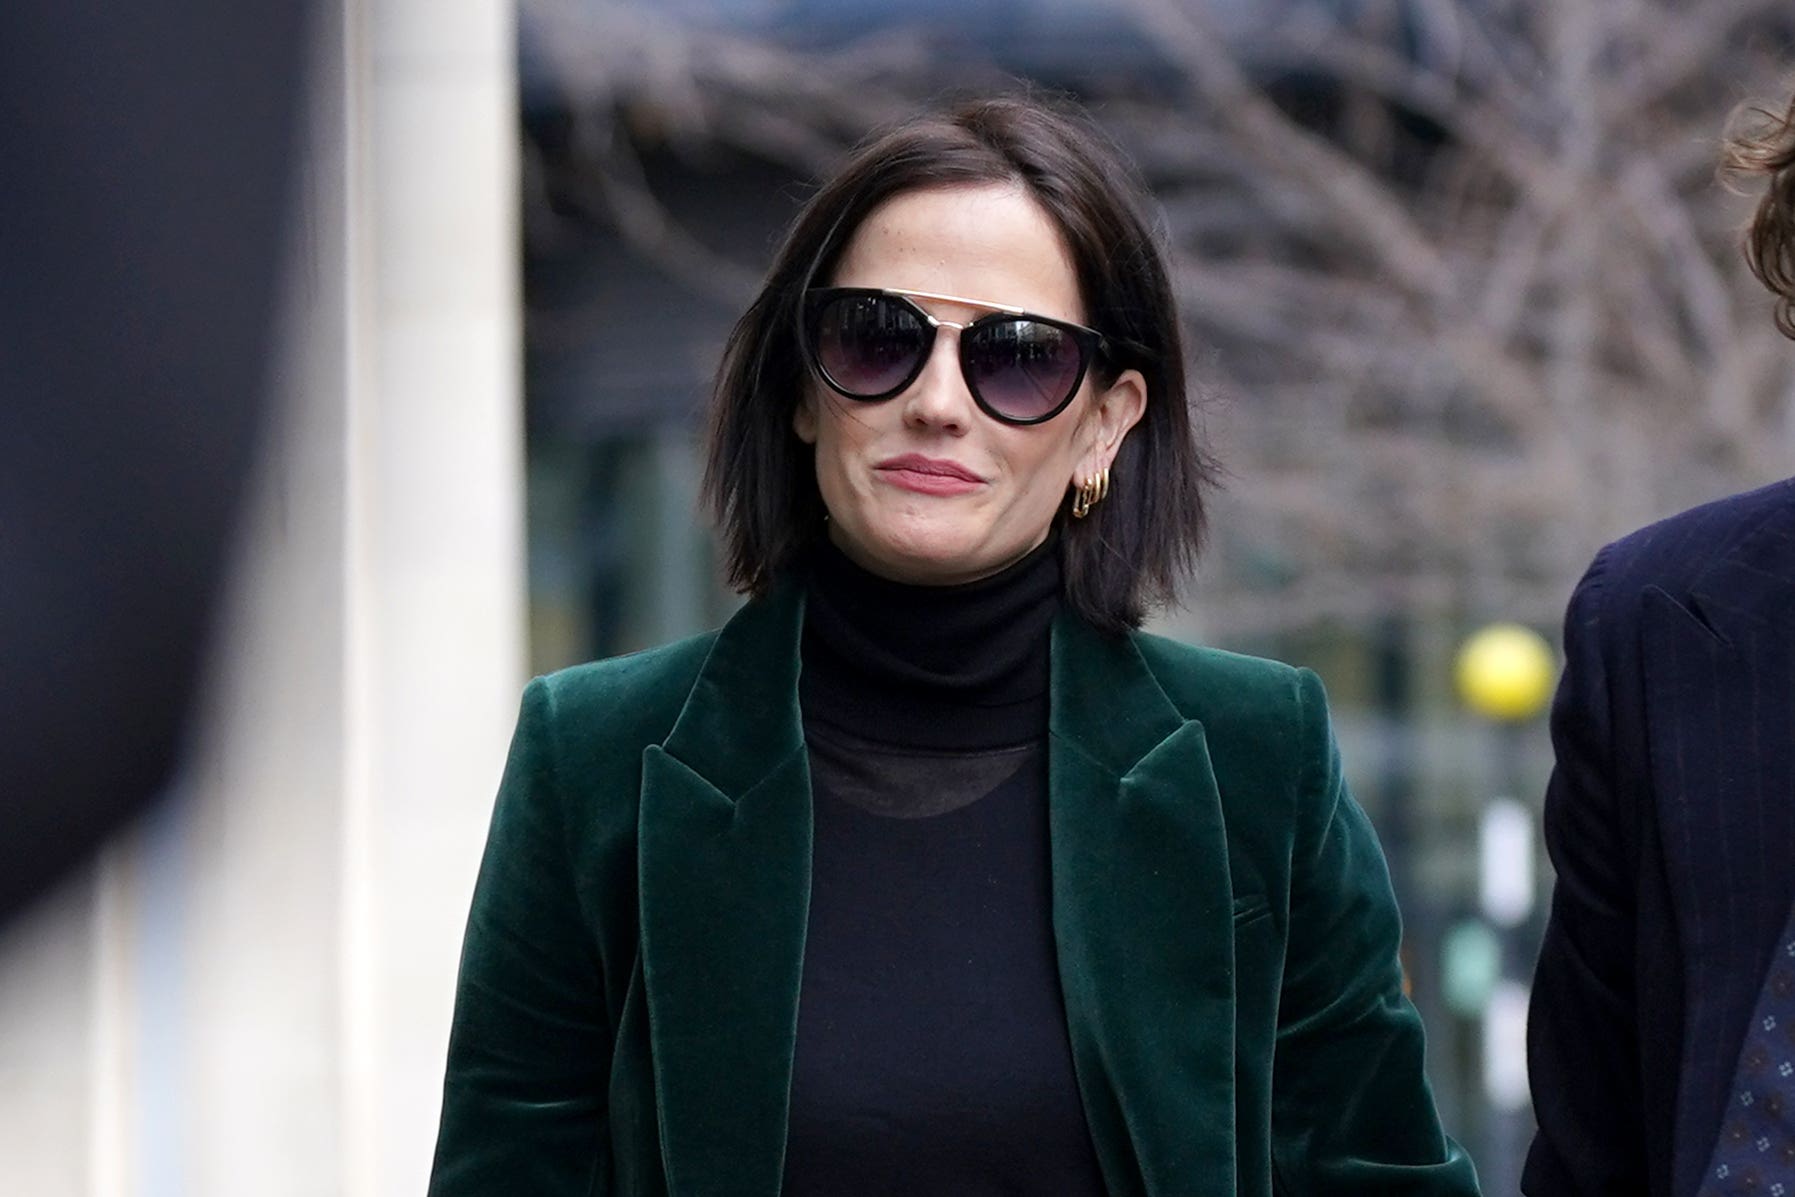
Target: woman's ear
[[1117, 409], [804, 418]]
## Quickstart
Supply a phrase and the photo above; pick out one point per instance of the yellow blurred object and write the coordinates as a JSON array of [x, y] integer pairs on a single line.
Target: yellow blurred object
[[1505, 671]]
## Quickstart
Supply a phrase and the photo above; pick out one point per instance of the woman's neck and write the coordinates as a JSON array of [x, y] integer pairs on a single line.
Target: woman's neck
[[952, 667]]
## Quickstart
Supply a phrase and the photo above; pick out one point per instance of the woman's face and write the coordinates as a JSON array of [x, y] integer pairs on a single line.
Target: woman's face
[[924, 487]]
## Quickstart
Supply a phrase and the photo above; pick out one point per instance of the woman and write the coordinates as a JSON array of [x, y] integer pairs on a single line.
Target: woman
[[929, 874]]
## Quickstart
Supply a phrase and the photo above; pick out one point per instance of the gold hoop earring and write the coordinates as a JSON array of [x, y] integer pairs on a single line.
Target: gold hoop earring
[[1091, 492]]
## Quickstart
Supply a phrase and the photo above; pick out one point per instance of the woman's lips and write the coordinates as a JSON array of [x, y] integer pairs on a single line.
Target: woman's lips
[[928, 475]]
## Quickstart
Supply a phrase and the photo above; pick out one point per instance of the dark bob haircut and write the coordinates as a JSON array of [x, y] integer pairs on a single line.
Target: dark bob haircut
[[1135, 546]]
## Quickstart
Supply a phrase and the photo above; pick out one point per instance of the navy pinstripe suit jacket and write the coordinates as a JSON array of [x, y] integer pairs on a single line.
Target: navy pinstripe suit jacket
[[1671, 821]]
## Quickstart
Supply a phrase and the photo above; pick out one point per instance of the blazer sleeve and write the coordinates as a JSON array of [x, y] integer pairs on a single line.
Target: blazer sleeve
[[523, 1100], [1582, 1024], [1352, 1112]]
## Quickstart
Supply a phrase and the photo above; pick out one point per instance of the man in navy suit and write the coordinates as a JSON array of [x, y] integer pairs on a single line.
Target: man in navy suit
[[1655, 1033]]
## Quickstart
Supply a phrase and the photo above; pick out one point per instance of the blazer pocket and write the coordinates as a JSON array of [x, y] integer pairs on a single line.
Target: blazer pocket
[[1252, 908]]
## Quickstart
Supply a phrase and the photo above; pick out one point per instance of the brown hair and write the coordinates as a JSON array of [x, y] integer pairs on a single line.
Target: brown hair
[[1767, 147], [760, 479]]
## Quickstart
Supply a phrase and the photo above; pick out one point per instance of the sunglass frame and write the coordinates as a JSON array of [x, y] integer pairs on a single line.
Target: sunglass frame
[[1091, 344]]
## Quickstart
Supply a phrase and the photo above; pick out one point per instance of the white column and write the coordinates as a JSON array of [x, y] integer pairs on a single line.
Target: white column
[[439, 590]]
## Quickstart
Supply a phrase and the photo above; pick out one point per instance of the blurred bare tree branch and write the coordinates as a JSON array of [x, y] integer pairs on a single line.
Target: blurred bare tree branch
[[1459, 273]]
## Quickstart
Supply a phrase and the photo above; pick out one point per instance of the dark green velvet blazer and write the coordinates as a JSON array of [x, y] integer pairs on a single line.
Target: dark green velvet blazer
[[1227, 938]]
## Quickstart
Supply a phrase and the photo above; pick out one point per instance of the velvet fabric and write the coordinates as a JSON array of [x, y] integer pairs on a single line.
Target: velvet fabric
[[1226, 933]]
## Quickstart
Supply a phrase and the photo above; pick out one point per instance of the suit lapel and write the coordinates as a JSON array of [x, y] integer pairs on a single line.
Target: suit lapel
[[724, 843], [1142, 910], [1720, 684]]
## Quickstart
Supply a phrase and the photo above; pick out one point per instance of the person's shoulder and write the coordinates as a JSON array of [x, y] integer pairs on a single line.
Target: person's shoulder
[[649, 686], [1211, 684], [1673, 552]]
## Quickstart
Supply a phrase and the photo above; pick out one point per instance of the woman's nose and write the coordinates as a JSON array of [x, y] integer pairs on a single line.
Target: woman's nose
[[938, 397]]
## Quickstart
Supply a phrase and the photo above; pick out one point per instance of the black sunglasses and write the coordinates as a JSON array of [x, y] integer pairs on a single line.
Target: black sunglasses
[[870, 343]]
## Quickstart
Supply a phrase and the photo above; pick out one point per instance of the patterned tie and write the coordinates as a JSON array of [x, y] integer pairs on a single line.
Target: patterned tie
[[1756, 1153]]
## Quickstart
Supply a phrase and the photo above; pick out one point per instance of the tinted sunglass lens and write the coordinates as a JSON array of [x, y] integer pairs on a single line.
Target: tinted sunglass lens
[[1022, 369], [868, 345]]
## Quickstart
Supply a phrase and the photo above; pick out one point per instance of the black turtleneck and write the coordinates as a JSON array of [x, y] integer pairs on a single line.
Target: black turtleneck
[[932, 1054], [944, 667]]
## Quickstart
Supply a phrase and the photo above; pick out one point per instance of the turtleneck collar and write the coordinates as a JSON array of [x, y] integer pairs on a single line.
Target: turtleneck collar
[[936, 667]]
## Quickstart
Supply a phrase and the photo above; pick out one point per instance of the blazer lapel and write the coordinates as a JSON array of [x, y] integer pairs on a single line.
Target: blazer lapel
[[1142, 910], [1720, 685], [724, 846]]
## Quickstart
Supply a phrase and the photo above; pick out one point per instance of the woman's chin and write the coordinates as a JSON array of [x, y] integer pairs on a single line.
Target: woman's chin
[[931, 555]]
